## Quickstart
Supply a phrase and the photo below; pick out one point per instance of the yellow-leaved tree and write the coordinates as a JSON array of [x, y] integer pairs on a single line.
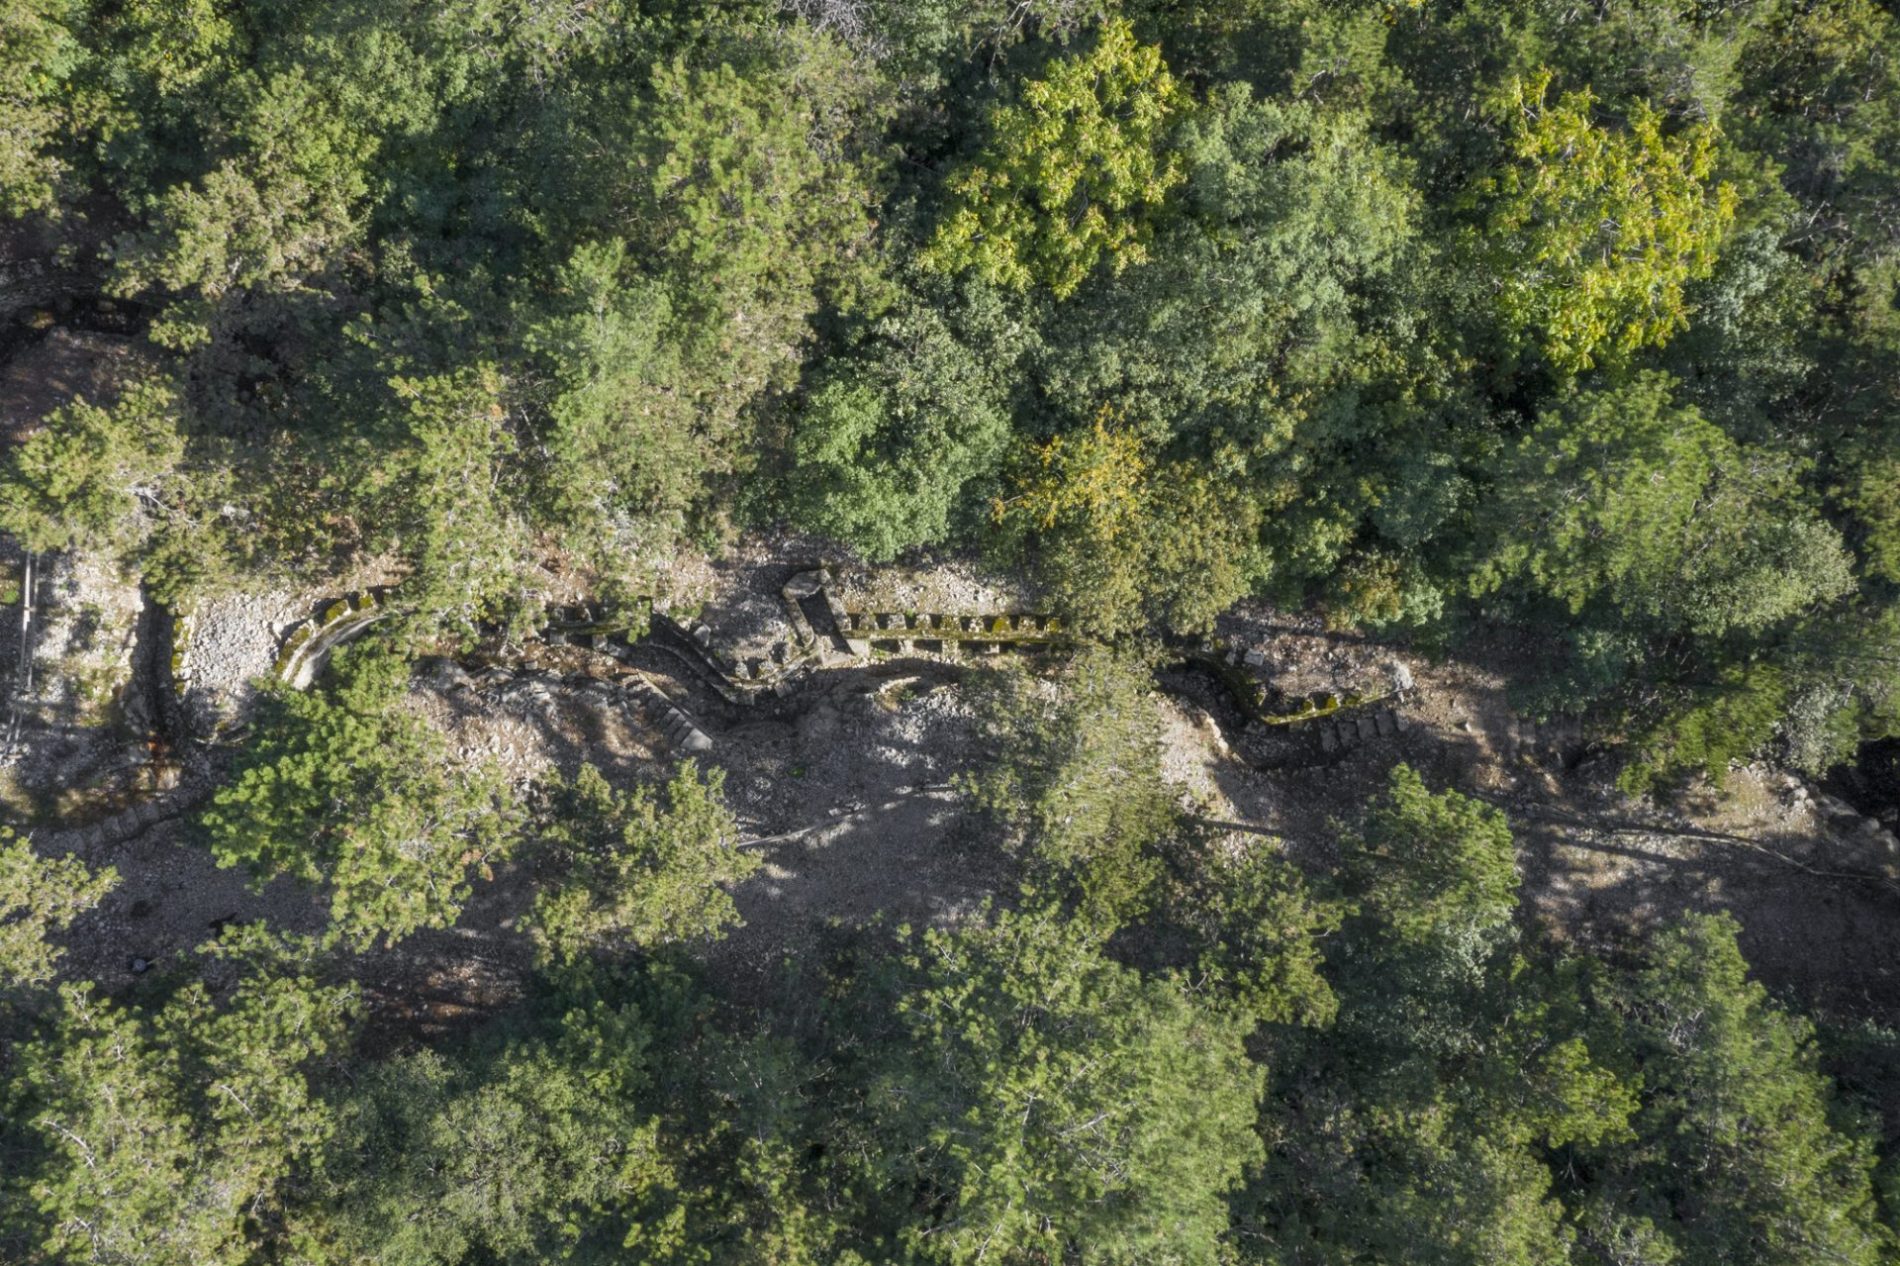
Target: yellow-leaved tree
[[1592, 229], [1072, 174], [1122, 539]]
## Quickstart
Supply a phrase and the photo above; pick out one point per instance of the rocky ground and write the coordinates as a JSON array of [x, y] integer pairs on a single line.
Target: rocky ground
[[1811, 878], [843, 790], [75, 730]]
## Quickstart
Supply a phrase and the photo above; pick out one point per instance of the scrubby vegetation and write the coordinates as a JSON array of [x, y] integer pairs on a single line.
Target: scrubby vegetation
[[1581, 322], [1258, 1068]]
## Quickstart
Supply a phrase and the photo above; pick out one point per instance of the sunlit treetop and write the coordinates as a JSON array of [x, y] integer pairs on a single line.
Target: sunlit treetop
[[1593, 229], [1072, 174]]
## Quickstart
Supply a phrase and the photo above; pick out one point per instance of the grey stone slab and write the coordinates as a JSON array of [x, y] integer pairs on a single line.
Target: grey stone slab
[[804, 585]]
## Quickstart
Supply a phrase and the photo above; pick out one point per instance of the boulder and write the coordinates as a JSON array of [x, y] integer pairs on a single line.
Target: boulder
[[805, 584]]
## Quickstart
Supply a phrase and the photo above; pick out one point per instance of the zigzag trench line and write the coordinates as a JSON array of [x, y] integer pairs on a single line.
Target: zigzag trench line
[[842, 637], [828, 634]]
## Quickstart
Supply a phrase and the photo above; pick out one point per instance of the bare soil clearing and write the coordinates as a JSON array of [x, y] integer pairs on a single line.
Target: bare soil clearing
[[844, 790]]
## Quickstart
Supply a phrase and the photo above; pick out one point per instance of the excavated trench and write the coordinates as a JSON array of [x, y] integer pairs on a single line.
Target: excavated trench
[[684, 685], [151, 705], [1320, 741]]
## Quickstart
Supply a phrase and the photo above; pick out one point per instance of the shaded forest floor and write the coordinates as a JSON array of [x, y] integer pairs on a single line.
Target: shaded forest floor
[[844, 789]]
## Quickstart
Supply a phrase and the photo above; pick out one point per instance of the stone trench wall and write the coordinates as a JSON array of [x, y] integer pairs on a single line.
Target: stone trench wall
[[852, 638]]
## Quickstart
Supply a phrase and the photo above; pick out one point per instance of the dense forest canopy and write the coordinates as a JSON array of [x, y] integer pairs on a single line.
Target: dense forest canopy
[[1577, 320]]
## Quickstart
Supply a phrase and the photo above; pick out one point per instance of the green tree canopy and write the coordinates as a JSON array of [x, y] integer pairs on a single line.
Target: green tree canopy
[[1057, 1105], [39, 53], [95, 477], [1120, 540], [452, 500], [1070, 175], [1076, 779], [171, 1137], [1742, 1152], [537, 1149], [38, 896], [625, 460], [347, 787], [637, 869], [891, 445], [1259, 928], [1435, 868], [1591, 231], [757, 191], [1620, 495], [1417, 1128]]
